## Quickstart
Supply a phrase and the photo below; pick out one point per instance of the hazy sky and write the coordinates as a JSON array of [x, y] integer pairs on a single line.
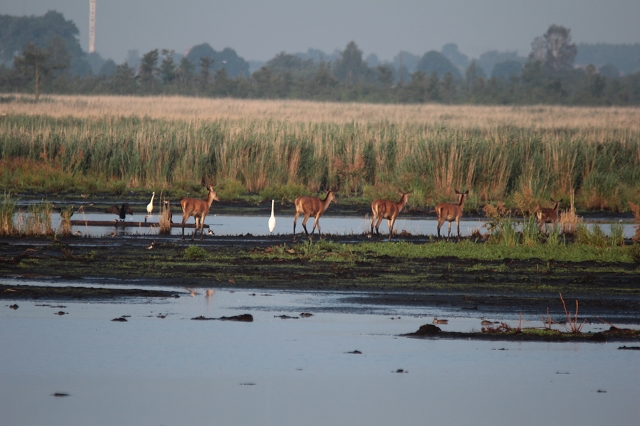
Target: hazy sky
[[259, 29]]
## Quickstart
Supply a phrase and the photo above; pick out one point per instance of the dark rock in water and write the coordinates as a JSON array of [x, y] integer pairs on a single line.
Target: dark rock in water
[[119, 319], [356, 352], [239, 318], [14, 307], [60, 394], [629, 348], [61, 313], [428, 330], [400, 370], [285, 317], [305, 315]]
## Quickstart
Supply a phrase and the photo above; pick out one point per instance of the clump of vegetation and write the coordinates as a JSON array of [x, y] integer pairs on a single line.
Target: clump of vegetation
[[36, 222], [635, 209], [165, 217], [573, 325], [65, 221], [195, 253], [7, 212]]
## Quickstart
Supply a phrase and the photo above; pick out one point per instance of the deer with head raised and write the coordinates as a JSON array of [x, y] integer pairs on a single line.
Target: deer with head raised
[[312, 206], [198, 209], [450, 212], [547, 215], [383, 209]]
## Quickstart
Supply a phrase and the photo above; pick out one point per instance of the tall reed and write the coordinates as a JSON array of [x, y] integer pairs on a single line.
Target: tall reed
[[494, 163], [7, 212]]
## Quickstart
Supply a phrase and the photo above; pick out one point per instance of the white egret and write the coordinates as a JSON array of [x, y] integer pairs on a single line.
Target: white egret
[[150, 207], [272, 219]]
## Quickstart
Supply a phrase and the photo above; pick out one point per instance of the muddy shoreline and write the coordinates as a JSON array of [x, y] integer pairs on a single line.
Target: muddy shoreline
[[491, 288]]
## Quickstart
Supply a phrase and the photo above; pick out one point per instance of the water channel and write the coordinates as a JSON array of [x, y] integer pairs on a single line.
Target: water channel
[[273, 371]]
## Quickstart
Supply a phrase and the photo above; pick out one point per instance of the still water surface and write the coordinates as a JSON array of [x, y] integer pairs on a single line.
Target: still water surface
[[223, 225], [174, 371]]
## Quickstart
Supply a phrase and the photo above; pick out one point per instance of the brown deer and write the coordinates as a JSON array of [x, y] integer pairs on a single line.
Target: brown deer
[[546, 215], [451, 212], [383, 209], [312, 206], [198, 209]]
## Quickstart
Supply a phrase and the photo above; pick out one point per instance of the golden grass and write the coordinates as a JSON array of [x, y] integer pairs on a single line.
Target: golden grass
[[206, 109]]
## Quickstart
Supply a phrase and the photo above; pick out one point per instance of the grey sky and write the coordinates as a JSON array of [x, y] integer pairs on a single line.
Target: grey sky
[[259, 29]]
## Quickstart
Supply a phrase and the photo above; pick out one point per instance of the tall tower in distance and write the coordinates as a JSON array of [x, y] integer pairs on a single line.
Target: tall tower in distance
[[92, 26]]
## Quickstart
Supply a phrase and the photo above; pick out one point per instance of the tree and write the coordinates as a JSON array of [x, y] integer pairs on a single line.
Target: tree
[[205, 63], [504, 70], [385, 75], [184, 73], [554, 49], [124, 80], [350, 68], [17, 31], [34, 64], [148, 70], [167, 67], [473, 74], [436, 62]]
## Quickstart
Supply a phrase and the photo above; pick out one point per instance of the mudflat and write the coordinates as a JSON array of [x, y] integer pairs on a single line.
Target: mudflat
[[607, 290]]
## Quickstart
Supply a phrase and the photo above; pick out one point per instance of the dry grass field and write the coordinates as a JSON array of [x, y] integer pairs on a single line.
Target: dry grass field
[[458, 116]]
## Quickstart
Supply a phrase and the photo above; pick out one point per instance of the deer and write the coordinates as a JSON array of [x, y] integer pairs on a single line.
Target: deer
[[312, 206], [383, 209], [451, 212], [198, 209], [546, 215]]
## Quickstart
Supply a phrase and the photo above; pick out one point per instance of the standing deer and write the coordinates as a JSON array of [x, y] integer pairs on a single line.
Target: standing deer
[[312, 206], [546, 215], [198, 209], [451, 212], [383, 209]]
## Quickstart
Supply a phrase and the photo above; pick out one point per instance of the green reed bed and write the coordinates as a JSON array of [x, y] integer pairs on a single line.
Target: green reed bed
[[363, 160]]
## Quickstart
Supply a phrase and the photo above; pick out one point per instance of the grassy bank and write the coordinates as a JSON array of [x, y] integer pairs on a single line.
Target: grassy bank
[[281, 158]]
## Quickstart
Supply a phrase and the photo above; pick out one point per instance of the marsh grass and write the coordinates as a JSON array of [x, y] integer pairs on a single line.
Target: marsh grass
[[517, 155], [165, 216], [36, 221], [7, 213], [65, 221], [573, 325]]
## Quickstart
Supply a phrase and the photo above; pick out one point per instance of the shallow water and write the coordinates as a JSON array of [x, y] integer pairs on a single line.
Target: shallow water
[[295, 371], [223, 225]]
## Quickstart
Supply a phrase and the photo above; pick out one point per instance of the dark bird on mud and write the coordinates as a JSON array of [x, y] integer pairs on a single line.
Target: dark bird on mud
[[122, 212]]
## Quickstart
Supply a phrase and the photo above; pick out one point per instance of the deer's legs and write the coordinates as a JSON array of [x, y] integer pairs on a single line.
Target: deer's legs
[[184, 220], [440, 222], [304, 224], [391, 222]]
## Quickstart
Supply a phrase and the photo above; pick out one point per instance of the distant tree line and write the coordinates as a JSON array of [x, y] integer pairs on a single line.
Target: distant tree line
[[42, 55]]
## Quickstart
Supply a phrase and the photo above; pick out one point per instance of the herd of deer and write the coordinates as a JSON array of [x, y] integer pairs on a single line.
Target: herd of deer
[[314, 206]]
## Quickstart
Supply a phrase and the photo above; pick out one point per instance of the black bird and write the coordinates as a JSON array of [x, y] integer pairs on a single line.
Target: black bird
[[122, 212]]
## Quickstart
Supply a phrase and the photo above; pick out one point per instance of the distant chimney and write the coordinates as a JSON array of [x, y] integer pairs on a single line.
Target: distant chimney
[[92, 26]]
